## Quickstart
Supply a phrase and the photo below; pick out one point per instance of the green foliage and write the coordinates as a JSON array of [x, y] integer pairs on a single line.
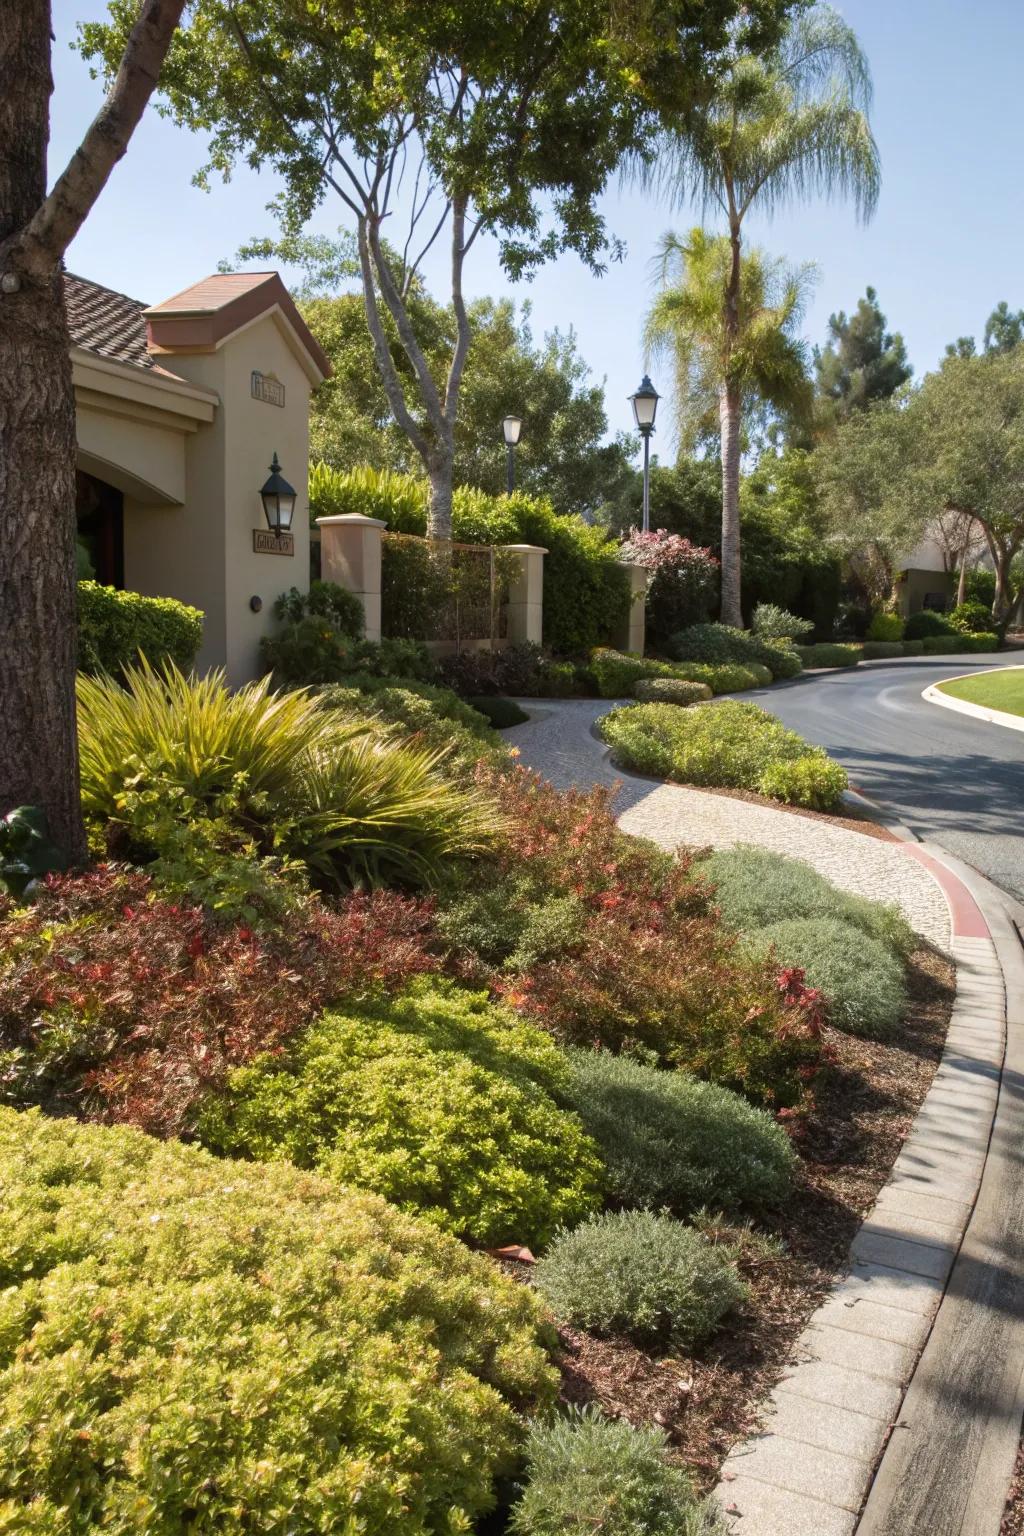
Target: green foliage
[[639, 1274], [586, 1473], [190, 1345], [946, 645], [770, 622], [729, 745], [983, 642], [400, 500], [913, 647], [116, 628], [617, 673], [319, 641], [502, 713], [971, 618], [671, 1141], [432, 1099], [722, 643], [670, 690], [434, 716], [926, 623], [861, 362], [26, 849], [324, 600], [861, 978], [755, 888], [825, 655], [886, 626], [282, 774], [882, 650]]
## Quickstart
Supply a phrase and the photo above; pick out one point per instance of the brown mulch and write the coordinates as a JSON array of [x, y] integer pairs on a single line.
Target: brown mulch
[[865, 1104], [1013, 1515], [855, 820]]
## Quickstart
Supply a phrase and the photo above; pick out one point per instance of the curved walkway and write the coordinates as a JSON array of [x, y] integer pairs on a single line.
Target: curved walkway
[[558, 743]]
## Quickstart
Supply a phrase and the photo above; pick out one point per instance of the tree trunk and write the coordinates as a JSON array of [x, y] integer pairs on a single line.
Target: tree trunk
[[38, 744], [440, 472], [729, 415], [961, 590]]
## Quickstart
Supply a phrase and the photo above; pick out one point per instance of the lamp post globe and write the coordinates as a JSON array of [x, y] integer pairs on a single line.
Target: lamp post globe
[[645, 407], [511, 428], [278, 498]]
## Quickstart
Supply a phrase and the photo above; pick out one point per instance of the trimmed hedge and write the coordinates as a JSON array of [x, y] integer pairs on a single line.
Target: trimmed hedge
[[617, 672], [670, 690], [862, 980], [881, 650], [927, 623], [669, 1140], [193, 1345], [501, 712], [722, 643], [828, 655], [946, 645], [983, 641], [115, 628], [913, 647]]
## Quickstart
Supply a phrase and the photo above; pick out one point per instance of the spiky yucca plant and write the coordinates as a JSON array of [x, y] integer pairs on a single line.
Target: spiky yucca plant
[[282, 770]]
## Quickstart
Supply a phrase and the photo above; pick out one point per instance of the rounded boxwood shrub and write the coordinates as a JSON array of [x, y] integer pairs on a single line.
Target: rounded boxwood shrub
[[946, 645], [755, 887], [638, 1274], [814, 781], [116, 628], [668, 1139], [586, 1474], [433, 1099], [927, 623], [862, 980], [193, 1345], [886, 626], [670, 690]]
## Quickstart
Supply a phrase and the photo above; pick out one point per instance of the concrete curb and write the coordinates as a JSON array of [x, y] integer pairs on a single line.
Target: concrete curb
[[933, 694]]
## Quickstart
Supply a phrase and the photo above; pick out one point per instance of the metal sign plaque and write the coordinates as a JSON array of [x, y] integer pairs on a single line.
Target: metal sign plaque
[[265, 387], [266, 543]]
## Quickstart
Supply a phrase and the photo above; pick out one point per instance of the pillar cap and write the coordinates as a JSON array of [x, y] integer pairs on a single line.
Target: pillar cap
[[526, 549], [350, 520]]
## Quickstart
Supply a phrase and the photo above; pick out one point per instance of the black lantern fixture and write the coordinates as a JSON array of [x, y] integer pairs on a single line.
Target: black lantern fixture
[[645, 408], [511, 428], [278, 499]]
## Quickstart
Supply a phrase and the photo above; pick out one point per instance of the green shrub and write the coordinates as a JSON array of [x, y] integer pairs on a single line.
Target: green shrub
[[280, 774], [881, 650], [669, 1140], [982, 641], [971, 618], [784, 661], [27, 851], [886, 626], [861, 978], [721, 643], [116, 628], [502, 713], [913, 647], [639, 1274], [946, 645], [730, 745], [434, 717], [324, 600], [826, 655], [617, 671], [926, 623], [430, 1099], [586, 1474], [816, 782], [773, 623], [755, 887], [723, 676], [670, 690], [191, 1345]]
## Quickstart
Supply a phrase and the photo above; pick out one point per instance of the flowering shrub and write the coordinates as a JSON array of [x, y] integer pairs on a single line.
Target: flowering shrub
[[194, 1346], [683, 580], [130, 1008]]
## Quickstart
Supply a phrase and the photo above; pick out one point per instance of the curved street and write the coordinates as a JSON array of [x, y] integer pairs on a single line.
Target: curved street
[[950, 778]]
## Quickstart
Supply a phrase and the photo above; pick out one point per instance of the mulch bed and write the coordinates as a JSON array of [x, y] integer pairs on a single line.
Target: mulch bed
[[865, 1104], [1013, 1516]]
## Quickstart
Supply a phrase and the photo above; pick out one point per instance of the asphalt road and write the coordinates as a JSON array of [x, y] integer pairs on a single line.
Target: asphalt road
[[952, 779]]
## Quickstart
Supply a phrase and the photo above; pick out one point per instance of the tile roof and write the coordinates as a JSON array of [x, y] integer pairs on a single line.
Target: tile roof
[[105, 322]]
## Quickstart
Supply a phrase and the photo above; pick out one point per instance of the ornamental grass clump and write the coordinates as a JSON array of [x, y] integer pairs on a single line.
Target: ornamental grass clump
[[671, 1141], [430, 1099], [861, 980], [639, 1275], [194, 1345], [586, 1473], [273, 773]]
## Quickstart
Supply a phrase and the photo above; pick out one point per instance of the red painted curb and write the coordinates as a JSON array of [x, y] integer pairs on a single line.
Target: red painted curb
[[967, 918]]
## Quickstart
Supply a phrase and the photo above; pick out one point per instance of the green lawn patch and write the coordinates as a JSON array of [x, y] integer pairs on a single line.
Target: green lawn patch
[[992, 690]]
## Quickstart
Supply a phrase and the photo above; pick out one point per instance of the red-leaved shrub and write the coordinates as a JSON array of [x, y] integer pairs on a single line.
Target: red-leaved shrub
[[124, 1007]]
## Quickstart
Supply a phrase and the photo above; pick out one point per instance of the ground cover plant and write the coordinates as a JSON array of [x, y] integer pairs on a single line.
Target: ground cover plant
[[587, 1473], [860, 977], [639, 1274], [1003, 690], [731, 745], [425, 714], [240, 1348], [718, 643], [669, 1141], [430, 1099]]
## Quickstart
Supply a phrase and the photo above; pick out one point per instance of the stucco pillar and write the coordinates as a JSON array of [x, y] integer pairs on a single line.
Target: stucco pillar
[[526, 593], [631, 636], [350, 555]]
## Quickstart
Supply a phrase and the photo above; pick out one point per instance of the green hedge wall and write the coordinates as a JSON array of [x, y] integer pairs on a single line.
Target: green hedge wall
[[114, 628]]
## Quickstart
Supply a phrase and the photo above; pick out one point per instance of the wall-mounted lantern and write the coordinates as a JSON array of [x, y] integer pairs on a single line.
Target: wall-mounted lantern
[[278, 499]]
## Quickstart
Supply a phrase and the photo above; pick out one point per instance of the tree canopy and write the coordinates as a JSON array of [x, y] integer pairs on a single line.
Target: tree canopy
[[862, 361]]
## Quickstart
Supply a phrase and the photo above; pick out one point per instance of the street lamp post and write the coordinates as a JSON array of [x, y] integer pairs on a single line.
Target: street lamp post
[[511, 427], [645, 407]]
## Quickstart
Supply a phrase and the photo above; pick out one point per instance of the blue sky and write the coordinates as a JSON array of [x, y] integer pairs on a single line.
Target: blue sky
[[945, 244]]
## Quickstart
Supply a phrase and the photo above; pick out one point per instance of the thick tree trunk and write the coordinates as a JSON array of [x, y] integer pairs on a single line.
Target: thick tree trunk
[[38, 744], [440, 472], [961, 589], [729, 416]]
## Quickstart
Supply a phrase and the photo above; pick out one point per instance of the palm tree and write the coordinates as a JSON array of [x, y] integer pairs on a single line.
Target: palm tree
[[785, 124], [729, 358]]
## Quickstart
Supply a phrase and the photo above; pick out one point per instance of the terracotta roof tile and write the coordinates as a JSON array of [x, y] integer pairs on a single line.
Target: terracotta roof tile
[[106, 322]]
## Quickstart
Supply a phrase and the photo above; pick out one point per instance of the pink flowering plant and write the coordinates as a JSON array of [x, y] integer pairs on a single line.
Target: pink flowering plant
[[683, 584]]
